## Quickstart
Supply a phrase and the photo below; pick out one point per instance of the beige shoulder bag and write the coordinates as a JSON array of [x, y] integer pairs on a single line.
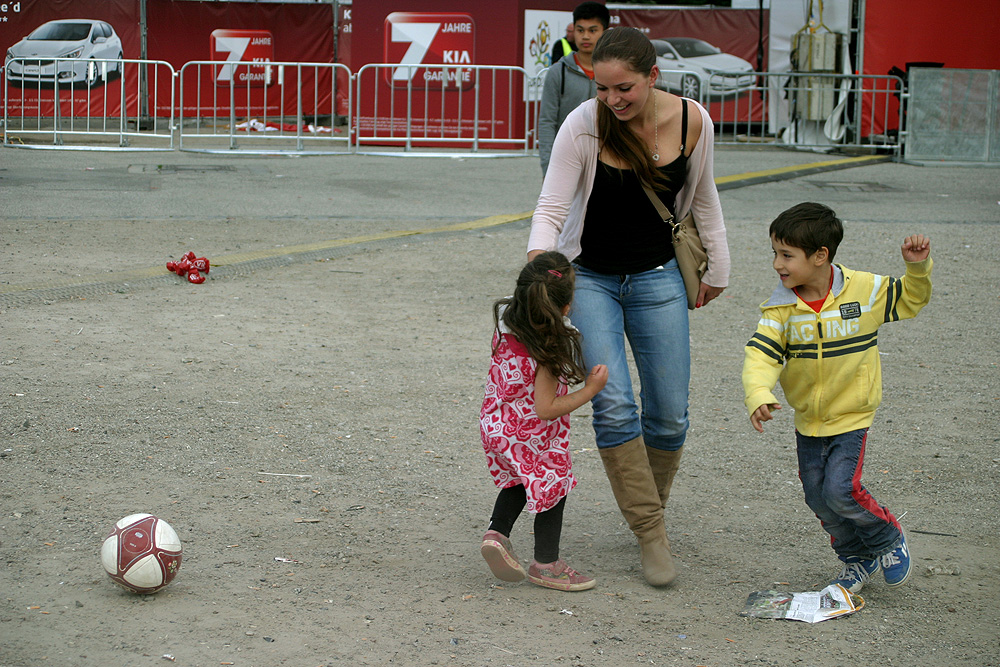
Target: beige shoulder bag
[[692, 260]]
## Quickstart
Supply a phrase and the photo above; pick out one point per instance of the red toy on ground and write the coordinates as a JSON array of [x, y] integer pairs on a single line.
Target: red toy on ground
[[191, 266]]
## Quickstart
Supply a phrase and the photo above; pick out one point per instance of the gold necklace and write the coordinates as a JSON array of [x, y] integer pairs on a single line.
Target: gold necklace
[[656, 131]]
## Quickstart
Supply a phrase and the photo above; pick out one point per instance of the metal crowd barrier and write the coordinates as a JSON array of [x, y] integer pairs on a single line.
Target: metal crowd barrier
[[69, 99], [453, 106], [682, 82], [260, 107], [810, 110], [393, 108], [533, 98]]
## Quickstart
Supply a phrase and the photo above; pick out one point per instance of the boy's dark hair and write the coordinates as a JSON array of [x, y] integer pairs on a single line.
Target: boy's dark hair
[[534, 315], [809, 226], [592, 10]]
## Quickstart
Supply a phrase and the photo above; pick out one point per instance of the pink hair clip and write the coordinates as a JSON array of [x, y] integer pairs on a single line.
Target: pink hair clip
[[555, 273]]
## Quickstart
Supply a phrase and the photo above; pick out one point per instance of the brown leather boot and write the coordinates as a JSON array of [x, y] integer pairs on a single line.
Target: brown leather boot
[[664, 465], [635, 491]]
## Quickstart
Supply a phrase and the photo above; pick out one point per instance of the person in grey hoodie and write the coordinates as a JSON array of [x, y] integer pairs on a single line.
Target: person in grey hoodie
[[569, 82]]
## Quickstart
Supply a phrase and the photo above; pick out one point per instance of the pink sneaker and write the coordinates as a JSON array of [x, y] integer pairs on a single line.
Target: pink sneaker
[[560, 576], [499, 555]]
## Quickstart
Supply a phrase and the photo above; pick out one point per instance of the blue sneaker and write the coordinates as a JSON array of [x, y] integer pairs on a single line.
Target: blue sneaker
[[856, 573], [896, 564]]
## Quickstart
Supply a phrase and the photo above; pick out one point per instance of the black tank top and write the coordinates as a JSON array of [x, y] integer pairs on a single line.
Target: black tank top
[[622, 232]]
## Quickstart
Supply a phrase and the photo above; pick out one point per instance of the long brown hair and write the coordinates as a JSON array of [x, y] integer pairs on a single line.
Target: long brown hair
[[534, 314], [634, 50]]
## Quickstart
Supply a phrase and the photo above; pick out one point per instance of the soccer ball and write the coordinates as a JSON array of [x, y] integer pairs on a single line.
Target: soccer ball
[[141, 553]]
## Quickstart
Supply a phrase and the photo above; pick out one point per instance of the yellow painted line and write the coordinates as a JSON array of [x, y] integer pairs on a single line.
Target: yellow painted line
[[798, 167], [229, 260], [492, 221], [482, 223]]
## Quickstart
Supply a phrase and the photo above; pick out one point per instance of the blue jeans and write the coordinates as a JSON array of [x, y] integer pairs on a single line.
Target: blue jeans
[[830, 471], [648, 309]]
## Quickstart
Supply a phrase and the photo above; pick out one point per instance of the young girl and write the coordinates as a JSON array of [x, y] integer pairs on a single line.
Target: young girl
[[525, 419]]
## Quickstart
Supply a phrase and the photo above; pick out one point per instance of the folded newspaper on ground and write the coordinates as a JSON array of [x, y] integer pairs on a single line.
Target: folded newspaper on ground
[[811, 607]]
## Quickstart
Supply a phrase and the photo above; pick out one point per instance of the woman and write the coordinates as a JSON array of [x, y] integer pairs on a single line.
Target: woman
[[594, 210]]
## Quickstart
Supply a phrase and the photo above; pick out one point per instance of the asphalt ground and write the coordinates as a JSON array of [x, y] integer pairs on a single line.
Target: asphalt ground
[[123, 388], [133, 211]]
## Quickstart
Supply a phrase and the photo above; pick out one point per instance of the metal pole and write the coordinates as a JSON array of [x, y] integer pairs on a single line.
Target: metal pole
[[760, 35], [298, 106], [336, 28], [334, 59], [56, 113], [143, 82], [232, 107], [860, 8]]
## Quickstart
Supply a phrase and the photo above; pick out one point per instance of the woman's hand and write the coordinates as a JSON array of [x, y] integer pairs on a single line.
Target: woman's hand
[[706, 293]]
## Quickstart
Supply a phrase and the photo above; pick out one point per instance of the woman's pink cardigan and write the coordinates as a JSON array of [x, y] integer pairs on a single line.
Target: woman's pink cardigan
[[557, 223]]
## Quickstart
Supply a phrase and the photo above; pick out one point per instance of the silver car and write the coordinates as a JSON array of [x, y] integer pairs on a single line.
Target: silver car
[[687, 65], [87, 42]]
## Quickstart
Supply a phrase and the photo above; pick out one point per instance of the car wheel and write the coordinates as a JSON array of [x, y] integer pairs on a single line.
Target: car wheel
[[93, 73], [691, 86], [120, 68]]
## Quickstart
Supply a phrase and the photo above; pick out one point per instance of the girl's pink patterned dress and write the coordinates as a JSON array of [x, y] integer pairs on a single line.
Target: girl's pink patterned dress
[[520, 447]]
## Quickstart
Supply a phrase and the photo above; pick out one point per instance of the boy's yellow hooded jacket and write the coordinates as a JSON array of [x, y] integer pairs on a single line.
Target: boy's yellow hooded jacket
[[828, 362]]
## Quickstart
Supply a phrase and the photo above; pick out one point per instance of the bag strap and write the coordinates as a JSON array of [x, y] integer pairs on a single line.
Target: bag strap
[[684, 125], [661, 208]]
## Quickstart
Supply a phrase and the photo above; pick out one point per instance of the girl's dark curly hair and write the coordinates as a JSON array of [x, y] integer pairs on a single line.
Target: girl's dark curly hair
[[534, 314]]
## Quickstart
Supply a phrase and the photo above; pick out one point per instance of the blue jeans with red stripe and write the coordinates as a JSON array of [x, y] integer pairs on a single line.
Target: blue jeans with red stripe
[[830, 471]]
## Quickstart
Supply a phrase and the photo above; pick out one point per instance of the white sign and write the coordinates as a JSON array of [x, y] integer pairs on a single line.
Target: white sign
[[542, 29]]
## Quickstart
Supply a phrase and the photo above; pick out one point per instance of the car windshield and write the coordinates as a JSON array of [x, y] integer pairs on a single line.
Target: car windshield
[[61, 32], [662, 48], [692, 48]]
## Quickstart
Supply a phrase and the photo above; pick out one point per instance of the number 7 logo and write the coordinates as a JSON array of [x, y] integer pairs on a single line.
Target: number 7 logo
[[414, 38], [420, 37], [247, 46]]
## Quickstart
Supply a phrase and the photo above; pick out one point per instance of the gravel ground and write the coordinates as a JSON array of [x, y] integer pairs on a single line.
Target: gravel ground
[[361, 370]]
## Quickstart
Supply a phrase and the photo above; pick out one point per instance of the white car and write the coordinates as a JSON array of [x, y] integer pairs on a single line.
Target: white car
[[88, 42], [687, 65]]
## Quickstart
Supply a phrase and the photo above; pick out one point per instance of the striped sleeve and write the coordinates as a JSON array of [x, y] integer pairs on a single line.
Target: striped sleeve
[[902, 298], [763, 360], [768, 346]]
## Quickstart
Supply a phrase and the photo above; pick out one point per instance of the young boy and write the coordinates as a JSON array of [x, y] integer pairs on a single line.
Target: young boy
[[818, 335], [569, 82]]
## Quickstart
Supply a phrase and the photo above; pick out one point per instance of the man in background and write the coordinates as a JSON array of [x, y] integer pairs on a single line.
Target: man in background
[[570, 81], [565, 45]]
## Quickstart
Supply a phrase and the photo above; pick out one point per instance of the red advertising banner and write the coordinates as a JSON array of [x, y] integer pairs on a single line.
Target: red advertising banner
[[188, 32], [693, 42], [54, 54], [443, 99]]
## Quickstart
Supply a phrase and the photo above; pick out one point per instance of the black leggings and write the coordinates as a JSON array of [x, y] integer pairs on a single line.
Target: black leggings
[[548, 524]]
